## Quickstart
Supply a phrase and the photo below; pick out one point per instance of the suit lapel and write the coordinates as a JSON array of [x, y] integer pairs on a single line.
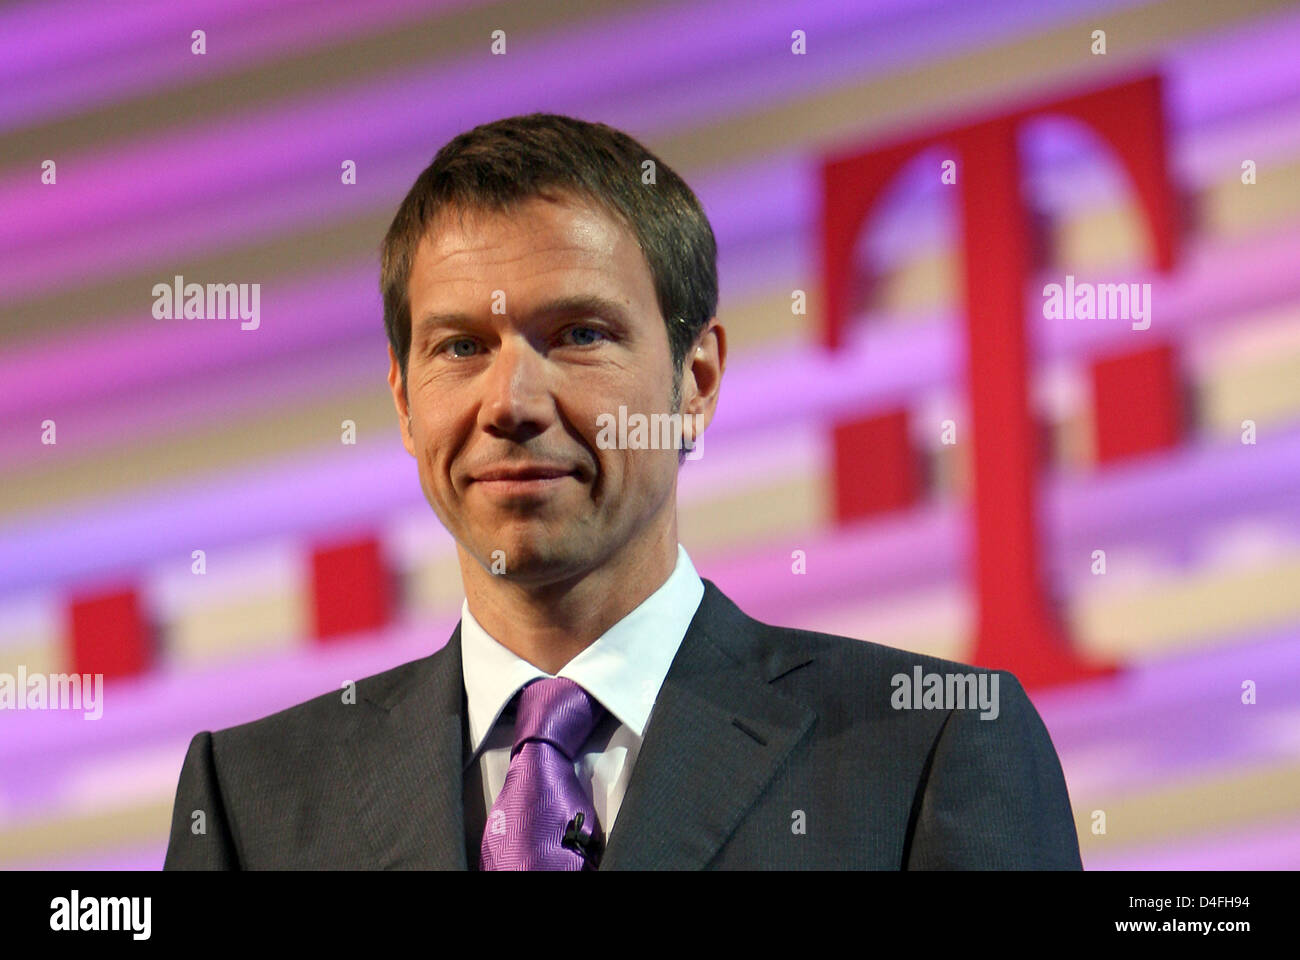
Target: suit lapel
[[716, 736], [405, 765]]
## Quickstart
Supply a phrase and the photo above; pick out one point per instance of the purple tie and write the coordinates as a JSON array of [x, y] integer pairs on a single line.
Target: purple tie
[[527, 824]]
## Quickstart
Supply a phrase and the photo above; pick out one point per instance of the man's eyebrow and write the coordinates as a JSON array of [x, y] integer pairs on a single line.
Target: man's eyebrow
[[584, 303]]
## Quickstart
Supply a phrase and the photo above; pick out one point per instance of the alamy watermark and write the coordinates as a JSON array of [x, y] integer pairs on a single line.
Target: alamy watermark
[[76, 913], [656, 431], [213, 301], [53, 691], [1098, 301], [946, 691]]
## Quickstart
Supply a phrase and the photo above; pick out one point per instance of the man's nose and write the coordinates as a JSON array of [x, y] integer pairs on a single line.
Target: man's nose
[[516, 389]]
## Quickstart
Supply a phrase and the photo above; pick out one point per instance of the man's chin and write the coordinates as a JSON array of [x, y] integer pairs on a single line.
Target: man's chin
[[532, 559]]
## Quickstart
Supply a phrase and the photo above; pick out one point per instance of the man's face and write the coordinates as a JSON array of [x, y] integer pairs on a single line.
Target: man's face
[[525, 328]]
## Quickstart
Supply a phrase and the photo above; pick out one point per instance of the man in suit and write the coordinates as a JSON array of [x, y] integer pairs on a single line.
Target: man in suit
[[599, 705]]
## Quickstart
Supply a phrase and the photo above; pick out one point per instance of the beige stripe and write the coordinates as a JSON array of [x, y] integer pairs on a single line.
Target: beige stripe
[[862, 110], [308, 250], [765, 317], [1259, 386], [36, 654], [1143, 608], [239, 627], [1255, 376], [281, 433], [436, 37], [1262, 389], [60, 836], [794, 504], [928, 281], [1186, 612], [935, 622], [1188, 807], [434, 586], [1231, 210], [1267, 393], [951, 469], [1113, 236]]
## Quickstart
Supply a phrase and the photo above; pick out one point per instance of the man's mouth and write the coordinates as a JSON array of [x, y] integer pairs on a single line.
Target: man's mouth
[[516, 479], [524, 472]]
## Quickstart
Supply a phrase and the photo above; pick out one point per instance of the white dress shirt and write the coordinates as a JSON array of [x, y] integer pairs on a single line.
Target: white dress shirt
[[623, 669]]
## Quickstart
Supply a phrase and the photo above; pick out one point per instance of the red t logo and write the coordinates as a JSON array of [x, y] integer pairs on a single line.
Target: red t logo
[[1018, 628]]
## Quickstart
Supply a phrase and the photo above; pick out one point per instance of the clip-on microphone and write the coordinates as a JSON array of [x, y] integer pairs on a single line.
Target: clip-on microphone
[[590, 848]]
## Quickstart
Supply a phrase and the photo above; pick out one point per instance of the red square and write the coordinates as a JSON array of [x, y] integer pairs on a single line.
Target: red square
[[108, 634], [1137, 406], [349, 588], [876, 470]]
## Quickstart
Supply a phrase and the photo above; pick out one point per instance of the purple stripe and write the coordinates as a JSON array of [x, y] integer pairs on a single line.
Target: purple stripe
[[310, 496], [211, 402], [1168, 496], [1181, 716], [885, 365], [141, 237], [146, 238], [50, 747], [141, 354], [1217, 284], [229, 158], [202, 218], [70, 55], [94, 50], [48, 550], [1087, 714], [173, 706], [45, 36], [1154, 501]]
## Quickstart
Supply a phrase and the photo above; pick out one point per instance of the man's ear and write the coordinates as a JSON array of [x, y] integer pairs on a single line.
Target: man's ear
[[702, 379], [400, 401], [704, 367]]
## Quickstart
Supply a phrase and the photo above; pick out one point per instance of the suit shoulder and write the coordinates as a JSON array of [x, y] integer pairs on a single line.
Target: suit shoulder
[[858, 654], [845, 664], [777, 647]]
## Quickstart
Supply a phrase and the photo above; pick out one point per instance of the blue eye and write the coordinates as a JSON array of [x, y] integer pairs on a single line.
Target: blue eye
[[585, 343], [453, 343]]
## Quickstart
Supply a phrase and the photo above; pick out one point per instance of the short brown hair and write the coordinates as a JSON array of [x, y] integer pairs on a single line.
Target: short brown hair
[[497, 165]]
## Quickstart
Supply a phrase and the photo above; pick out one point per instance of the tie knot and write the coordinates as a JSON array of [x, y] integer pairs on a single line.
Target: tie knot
[[558, 711]]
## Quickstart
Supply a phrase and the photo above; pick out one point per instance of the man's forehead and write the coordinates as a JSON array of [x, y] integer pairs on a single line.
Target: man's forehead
[[564, 219], [569, 246]]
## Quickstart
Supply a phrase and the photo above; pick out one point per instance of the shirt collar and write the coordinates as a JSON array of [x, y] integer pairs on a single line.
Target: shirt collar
[[623, 669]]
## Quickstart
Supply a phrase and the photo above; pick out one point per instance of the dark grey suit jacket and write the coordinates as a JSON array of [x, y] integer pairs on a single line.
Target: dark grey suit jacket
[[767, 748]]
